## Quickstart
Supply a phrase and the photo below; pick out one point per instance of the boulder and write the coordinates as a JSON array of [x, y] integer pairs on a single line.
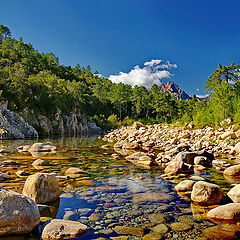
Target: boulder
[[234, 194], [232, 171], [205, 193], [185, 185], [42, 147], [178, 166], [186, 157], [19, 214], [229, 213], [63, 229], [42, 188]]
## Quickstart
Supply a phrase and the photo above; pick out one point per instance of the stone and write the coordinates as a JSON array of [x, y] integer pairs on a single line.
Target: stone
[[232, 171], [237, 147], [71, 215], [21, 173], [42, 147], [178, 166], [134, 231], [63, 229], [137, 125], [42, 188], [106, 146], [9, 163], [229, 213], [157, 218], [40, 162], [74, 172], [205, 193], [185, 185], [234, 194], [4, 177], [24, 148], [179, 226], [152, 236], [160, 228], [228, 134], [200, 160], [19, 214], [186, 157]]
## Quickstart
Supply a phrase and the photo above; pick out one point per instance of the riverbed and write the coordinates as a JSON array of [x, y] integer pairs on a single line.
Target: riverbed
[[115, 198]]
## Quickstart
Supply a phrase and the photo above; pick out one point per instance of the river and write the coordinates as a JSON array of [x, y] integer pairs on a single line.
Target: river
[[113, 193]]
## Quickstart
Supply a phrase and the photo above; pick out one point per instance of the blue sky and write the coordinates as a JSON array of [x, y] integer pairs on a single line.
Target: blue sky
[[116, 35]]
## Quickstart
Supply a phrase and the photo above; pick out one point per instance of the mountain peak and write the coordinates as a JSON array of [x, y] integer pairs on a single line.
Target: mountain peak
[[173, 89]]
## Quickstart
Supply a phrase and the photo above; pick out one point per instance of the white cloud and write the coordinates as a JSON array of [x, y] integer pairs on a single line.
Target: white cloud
[[203, 96], [146, 76]]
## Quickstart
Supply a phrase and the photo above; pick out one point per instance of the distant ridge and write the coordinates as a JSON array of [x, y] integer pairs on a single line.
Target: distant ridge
[[173, 89]]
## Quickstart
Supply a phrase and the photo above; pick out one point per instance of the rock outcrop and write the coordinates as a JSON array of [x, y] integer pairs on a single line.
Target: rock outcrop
[[19, 214], [13, 125]]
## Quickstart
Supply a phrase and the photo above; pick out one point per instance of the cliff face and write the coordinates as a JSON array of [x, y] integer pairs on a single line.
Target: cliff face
[[74, 124], [174, 90], [13, 125], [16, 126]]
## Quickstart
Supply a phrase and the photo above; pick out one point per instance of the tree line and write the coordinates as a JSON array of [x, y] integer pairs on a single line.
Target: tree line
[[36, 82]]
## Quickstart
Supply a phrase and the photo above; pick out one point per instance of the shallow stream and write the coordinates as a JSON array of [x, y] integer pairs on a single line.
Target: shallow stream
[[114, 193]]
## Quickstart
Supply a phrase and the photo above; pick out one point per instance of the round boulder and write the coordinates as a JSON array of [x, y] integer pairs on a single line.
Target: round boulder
[[19, 214], [205, 193], [42, 188]]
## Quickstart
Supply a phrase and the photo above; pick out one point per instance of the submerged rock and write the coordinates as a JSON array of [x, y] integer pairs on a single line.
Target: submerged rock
[[42, 188], [63, 229], [135, 231], [19, 214], [74, 172]]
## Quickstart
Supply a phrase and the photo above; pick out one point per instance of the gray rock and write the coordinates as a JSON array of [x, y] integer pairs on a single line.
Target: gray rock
[[19, 214]]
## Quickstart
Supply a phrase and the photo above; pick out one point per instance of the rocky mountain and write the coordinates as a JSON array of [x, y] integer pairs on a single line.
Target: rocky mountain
[[173, 89]]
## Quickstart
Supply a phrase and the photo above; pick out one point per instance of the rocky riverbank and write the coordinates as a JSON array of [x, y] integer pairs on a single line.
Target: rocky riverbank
[[181, 151]]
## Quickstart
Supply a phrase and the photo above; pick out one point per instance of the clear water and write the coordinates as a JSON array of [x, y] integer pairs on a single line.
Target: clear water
[[113, 193]]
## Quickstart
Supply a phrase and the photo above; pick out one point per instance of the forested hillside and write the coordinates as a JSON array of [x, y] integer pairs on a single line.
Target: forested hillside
[[36, 82]]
